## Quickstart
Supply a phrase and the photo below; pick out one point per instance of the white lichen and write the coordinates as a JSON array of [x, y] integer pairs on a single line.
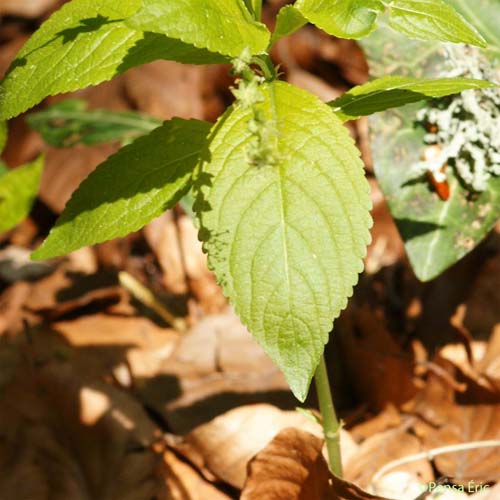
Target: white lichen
[[466, 127]]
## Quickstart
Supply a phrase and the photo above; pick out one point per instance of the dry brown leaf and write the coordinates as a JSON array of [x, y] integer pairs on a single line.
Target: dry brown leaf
[[62, 439], [66, 168], [26, 8], [292, 467], [68, 290], [138, 341], [216, 366], [382, 448], [380, 370], [165, 89], [481, 375], [387, 246], [433, 402], [181, 482], [310, 82], [11, 303], [489, 365], [163, 237], [201, 280], [387, 419], [225, 445], [467, 424], [481, 320], [443, 422]]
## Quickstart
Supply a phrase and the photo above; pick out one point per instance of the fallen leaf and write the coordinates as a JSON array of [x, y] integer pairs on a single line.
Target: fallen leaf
[[225, 445], [11, 305], [481, 374], [380, 370], [479, 319], [26, 8], [292, 467], [165, 89], [61, 438], [385, 420], [182, 482], [216, 366], [467, 424], [382, 448], [163, 237], [138, 341], [201, 280], [66, 168], [387, 246], [310, 82]]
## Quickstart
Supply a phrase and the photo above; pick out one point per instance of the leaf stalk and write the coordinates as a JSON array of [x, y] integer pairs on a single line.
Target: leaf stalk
[[331, 424]]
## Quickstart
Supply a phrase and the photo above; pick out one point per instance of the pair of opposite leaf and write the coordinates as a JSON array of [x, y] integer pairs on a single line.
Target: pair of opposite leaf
[[286, 241]]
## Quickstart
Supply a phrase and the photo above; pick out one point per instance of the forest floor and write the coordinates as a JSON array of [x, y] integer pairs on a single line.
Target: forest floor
[[102, 399]]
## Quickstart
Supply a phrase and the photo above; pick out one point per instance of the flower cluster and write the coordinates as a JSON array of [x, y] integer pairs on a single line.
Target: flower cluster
[[262, 149]]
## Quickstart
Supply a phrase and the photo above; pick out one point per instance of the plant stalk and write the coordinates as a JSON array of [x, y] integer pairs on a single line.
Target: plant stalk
[[331, 425], [266, 65]]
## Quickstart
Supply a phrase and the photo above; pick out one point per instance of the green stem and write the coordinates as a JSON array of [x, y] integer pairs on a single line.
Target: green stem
[[266, 65], [331, 425]]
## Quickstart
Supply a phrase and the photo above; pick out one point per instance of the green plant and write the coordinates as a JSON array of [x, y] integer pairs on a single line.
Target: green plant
[[281, 198]]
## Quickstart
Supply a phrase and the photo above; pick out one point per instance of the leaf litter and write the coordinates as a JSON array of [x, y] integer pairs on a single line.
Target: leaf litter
[[101, 398]]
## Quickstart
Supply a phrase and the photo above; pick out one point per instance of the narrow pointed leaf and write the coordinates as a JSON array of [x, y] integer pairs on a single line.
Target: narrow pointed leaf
[[222, 26], [84, 43], [18, 190], [69, 122], [286, 241], [288, 21], [395, 91], [129, 189]]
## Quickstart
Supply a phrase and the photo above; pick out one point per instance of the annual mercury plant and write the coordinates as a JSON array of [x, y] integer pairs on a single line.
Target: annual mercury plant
[[465, 126], [281, 198]]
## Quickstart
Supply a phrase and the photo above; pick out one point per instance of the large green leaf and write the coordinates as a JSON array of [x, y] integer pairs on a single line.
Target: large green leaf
[[286, 241], [129, 189], [437, 233], [223, 26], [422, 19], [18, 190], [68, 123], [84, 43], [395, 91]]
